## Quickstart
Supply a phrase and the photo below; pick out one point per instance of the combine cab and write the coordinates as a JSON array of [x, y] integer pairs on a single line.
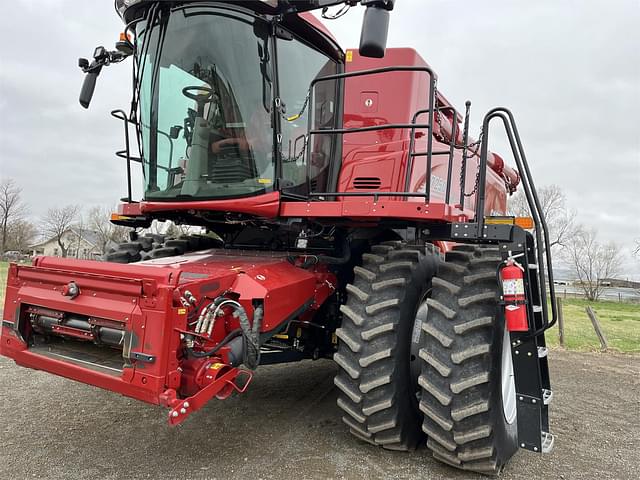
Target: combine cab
[[349, 216]]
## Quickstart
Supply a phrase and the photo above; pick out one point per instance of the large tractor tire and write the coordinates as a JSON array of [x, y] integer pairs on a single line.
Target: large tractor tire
[[378, 367], [150, 246], [468, 396]]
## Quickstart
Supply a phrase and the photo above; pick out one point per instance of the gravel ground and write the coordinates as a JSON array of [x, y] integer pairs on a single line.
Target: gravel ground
[[287, 426]]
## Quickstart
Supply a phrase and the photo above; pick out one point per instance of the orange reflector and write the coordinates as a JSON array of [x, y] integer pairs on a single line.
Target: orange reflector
[[524, 222], [499, 220], [117, 216], [123, 37]]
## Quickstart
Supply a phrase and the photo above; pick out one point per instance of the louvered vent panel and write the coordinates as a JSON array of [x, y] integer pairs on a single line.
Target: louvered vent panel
[[367, 183]]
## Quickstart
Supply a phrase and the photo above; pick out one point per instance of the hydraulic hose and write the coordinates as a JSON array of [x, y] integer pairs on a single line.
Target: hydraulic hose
[[234, 334], [250, 335]]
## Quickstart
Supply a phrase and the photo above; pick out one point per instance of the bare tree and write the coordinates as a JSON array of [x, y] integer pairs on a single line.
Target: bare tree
[[560, 220], [592, 261], [80, 229], [57, 221], [20, 235], [11, 208], [107, 232]]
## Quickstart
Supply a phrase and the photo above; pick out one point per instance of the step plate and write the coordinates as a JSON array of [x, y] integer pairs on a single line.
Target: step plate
[[548, 440]]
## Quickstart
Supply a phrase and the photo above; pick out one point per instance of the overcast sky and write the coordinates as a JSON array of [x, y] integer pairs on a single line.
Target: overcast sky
[[569, 70]]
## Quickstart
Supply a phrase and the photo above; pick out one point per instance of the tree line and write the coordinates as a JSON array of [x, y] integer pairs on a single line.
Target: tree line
[[591, 261], [19, 232]]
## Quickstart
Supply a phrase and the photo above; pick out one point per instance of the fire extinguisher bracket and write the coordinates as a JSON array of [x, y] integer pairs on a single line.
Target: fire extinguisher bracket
[[514, 299]]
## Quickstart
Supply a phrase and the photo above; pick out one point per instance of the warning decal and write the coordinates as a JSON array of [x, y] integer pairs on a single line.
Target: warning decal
[[513, 287]]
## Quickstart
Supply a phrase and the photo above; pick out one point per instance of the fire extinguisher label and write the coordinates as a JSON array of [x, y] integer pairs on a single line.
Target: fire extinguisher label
[[513, 287]]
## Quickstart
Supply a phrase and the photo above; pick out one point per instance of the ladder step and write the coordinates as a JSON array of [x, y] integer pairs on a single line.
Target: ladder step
[[542, 352], [533, 266], [547, 396], [547, 442], [537, 308]]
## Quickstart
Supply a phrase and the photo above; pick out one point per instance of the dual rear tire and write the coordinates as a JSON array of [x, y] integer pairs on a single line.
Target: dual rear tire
[[420, 355], [377, 396]]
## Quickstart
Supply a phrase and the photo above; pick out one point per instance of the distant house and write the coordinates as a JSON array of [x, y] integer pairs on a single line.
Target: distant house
[[620, 283], [82, 244]]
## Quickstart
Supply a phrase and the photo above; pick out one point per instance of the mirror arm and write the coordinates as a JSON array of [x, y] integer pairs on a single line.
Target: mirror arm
[[101, 58], [383, 4]]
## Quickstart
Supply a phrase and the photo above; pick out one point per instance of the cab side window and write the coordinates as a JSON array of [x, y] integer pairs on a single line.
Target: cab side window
[[298, 65]]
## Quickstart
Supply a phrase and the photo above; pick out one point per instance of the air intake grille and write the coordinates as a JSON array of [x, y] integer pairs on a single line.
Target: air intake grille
[[367, 183]]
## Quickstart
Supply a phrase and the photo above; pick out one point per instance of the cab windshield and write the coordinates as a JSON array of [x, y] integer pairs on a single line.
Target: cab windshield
[[205, 104]]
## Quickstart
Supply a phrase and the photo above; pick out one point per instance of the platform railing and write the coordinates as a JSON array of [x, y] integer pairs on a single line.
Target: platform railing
[[542, 243], [431, 110]]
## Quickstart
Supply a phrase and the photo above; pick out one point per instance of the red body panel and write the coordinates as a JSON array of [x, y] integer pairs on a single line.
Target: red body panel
[[374, 100], [144, 299], [265, 206]]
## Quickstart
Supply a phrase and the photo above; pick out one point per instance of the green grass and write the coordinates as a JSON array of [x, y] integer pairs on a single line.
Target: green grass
[[4, 266], [620, 323]]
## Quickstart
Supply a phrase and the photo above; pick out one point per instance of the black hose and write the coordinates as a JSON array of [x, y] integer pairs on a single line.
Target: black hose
[[250, 337], [309, 261], [234, 334], [344, 259]]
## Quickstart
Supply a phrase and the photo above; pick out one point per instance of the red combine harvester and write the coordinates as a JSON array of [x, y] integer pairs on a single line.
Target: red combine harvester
[[350, 216]]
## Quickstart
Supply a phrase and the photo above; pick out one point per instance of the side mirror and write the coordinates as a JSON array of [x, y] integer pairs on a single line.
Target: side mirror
[[88, 87], [174, 132], [299, 146], [92, 70], [375, 28], [101, 58]]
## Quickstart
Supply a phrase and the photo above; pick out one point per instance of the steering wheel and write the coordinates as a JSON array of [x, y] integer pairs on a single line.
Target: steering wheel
[[200, 94]]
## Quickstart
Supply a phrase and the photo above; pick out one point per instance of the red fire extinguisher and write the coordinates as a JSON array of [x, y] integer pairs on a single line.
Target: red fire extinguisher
[[515, 310]]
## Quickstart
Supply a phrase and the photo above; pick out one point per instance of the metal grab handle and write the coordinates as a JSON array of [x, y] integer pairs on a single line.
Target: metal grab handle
[[121, 115], [533, 201]]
